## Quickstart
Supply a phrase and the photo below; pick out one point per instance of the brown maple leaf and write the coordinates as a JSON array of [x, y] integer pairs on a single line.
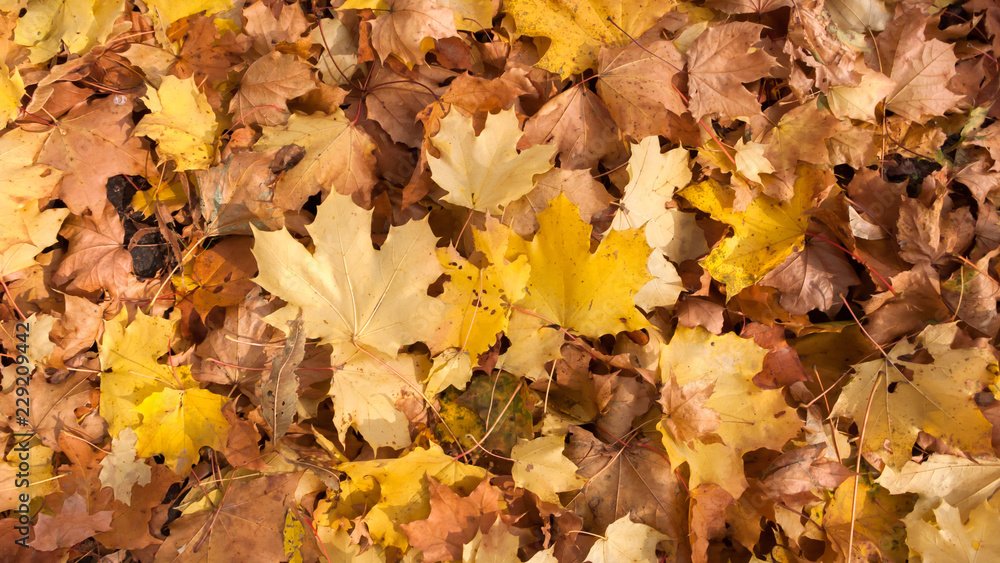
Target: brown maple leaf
[[401, 29], [97, 258], [453, 521], [267, 86], [70, 526], [90, 144], [637, 84], [624, 479], [720, 61], [576, 122]]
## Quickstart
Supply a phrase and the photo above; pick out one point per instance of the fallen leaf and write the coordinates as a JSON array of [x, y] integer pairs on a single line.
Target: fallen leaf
[[453, 521], [962, 483], [267, 86], [172, 11], [720, 61], [812, 278], [763, 235], [495, 546], [120, 469], [637, 84], [182, 123], [348, 291], [579, 30], [484, 172], [177, 423], [653, 178], [253, 514], [907, 397], [97, 257], [480, 299], [90, 144], [621, 480], [402, 26], [11, 91], [626, 541], [541, 467], [365, 392], [278, 390], [405, 496], [580, 291], [578, 124], [873, 517], [921, 69], [72, 525], [953, 538], [338, 156], [579, 186], [44, 27]]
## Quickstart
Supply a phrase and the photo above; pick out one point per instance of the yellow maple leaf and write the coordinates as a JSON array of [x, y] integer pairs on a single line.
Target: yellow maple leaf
[[365, 391], [485, 172], [750, 160], [962, 483], [480, 298], [653, 178], [404, 494], [946, 537], [452, 368], [731, 362], [469, 13], [178, 422], [749, 417], [763, 235], [11, 91], [664, 288], [171, 195], [592, 294], [895, 399], [338, 155], [41, 229], [80, 24], [578, 29], [169, 11], [129, 356], [873, 514], [293, 534], [626, 541], [859, 102], [182, 123], [532, 345], [541, 467], [708, 463], [348, 291], [22, 184], [39, 480]]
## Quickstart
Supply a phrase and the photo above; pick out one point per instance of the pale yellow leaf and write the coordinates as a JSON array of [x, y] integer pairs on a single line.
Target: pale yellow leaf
[[626, 541], [485, 172], [541, 467], [348, 291], [120, 469]]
